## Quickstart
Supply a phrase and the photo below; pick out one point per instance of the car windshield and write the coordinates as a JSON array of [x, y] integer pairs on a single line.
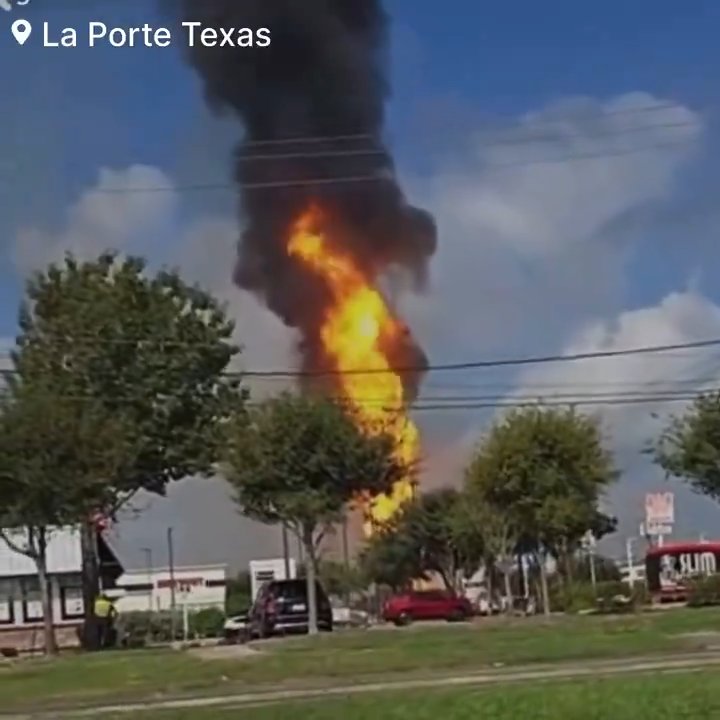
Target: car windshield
[[294, 590]]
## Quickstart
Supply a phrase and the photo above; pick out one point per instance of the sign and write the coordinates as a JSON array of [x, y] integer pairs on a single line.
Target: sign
[[659, 510], [658, 529], [181, 582], [675, 569]]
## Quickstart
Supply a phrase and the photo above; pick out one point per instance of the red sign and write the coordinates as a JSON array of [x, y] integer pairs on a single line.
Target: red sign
[[181, 582]]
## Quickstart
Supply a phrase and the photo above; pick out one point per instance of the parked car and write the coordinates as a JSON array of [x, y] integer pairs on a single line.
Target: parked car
[[281, 608], [235, 629], [427, 605]]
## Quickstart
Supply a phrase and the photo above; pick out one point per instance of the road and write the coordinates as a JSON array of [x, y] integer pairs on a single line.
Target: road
[[497, 676]]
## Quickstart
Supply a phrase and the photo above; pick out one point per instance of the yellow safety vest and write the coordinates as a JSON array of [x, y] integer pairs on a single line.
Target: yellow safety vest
[[102, 608]]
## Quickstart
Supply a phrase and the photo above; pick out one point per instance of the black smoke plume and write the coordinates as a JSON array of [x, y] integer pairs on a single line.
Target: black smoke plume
[[312, 108]]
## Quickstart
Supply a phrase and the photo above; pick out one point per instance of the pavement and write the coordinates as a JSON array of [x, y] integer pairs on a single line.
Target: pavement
[[497, 676]]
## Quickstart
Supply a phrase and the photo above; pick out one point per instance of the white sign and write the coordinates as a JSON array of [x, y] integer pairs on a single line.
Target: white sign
[[677, 568], [658, 529], [659, 510]]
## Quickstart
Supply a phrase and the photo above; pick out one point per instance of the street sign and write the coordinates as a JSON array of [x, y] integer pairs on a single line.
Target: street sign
[[659, 510], [659, 529]]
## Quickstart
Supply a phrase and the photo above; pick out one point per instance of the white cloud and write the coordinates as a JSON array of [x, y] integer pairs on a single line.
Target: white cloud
[[680, 318], [530, 249], [112, 215], [533, 249]]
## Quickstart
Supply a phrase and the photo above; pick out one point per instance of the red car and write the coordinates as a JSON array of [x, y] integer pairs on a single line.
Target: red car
[[426, 605]]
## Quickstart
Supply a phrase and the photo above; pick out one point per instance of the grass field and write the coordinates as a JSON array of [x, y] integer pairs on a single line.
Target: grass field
[[688, 696], [360, 656]]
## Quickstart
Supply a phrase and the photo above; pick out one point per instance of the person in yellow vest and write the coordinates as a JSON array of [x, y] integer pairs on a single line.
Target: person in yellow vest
[[105, 614]]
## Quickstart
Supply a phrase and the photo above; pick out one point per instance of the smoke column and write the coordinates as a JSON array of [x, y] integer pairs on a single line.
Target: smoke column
[[312, 108]]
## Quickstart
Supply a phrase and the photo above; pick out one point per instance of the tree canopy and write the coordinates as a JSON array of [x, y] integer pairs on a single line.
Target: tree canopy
[[146, 349], [547, 470], [300, 460], [149, 349], [436, 533], [690, 447], [56, 454]]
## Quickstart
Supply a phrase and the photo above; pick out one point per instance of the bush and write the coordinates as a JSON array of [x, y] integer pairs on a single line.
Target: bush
[[572, 598], [139, 628], [208, 623], [612, 597], [704, 592]]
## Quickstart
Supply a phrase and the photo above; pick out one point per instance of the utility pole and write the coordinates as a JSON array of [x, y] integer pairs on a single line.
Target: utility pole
[[148, 568], [171, 566], [286, 550], [630, 563]]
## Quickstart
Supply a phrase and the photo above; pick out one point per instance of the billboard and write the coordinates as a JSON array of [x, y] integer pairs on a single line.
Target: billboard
[[659, 513]]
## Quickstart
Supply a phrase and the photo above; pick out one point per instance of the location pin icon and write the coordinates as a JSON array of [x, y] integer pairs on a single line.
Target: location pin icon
[[21, 29]]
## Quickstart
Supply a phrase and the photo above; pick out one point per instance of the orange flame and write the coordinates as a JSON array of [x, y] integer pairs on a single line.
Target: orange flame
[[356, 332]]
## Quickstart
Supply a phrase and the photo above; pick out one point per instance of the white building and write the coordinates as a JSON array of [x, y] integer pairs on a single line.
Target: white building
[[20, 602], [197, 588], [265, 571]]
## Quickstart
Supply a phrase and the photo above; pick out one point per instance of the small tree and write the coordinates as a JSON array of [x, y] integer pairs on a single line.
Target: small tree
[[546, 469], [436, 533], [392, 559], [149, 350], [56, 453], [498, 531], [690, 447], [300, 461]]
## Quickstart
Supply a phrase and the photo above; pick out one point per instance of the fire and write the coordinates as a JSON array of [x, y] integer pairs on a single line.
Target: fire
[[356, 333]]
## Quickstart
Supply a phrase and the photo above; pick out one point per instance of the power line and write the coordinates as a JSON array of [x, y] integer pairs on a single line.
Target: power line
[[342, 180], [446, 367], [481, 364], [510, 403]]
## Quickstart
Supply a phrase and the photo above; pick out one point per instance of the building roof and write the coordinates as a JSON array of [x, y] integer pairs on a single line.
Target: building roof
[[63, 554]]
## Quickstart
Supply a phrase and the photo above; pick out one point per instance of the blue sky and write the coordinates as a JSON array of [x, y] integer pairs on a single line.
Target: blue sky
[[454, 71], [70, 111]]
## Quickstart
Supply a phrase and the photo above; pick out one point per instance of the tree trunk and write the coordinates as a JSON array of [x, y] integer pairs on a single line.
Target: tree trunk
[[544, 583], [489, 573], [569, 579], [508, 590], [51, 647], [90, 585], [310, 572]]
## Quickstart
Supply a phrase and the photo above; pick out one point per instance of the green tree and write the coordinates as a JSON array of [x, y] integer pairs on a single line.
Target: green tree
[[55, 455], [391, 558], [498, 533], [690, 447], [238, 594], [445, 534], [147, 349], [339, 579], [547, 469], [301, 461], [436, 533]]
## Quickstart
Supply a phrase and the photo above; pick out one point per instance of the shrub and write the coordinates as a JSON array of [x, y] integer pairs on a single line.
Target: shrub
[[612, 597], [208, 623], [704, 592], [572, 598], [139, 628]]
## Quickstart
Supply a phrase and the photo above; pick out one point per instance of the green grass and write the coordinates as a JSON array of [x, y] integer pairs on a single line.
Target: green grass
[[350, 657], [693, 696]]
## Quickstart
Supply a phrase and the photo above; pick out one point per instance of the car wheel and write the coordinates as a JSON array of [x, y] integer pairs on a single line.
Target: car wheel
[[403, 620], [457, 616]]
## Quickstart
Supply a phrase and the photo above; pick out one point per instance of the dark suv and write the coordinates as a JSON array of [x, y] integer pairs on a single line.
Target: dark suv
[[281, 608]]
